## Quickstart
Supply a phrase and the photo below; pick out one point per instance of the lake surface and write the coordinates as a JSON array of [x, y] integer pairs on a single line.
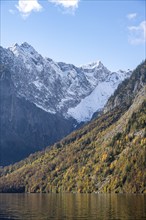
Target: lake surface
[[72, 206]]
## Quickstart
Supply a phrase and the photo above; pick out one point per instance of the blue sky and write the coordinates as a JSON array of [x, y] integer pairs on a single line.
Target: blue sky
[[78, 31]]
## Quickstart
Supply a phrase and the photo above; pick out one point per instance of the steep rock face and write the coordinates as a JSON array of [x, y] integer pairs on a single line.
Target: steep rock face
[[128, 89], [106, 155], [25, 128], [43, 101], [60, 87]]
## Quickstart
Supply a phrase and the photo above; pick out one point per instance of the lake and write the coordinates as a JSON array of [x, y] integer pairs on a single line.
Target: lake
[[72, 206]]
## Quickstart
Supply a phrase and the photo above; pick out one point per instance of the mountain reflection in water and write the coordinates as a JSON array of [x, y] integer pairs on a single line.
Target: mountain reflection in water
[[72, 206]]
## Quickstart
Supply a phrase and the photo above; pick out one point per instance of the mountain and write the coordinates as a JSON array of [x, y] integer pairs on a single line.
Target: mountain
[[25, 128], [106, 155], [60, 87], [132, 87], [42, 101]]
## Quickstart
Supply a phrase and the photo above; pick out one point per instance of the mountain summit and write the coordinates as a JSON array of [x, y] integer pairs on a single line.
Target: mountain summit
[[60, 87], [92, 65], [42, 100], [106, 155]]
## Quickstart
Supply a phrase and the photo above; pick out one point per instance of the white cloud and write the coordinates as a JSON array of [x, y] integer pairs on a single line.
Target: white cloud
[[132, 16], [25, 7], [137, 34], [73, 4]]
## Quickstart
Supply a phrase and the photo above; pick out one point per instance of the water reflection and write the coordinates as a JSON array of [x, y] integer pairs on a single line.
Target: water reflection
[[72, 206]]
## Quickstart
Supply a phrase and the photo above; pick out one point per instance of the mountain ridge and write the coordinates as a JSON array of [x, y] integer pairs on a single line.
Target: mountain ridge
[[119, 97], [106, 155], [25, 128], [47, 100], [35, 77]]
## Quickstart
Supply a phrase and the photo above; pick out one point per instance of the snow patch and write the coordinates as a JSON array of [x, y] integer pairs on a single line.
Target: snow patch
[[57, 87], [45, 109], [95, 101], [91, 65], [38, 84]]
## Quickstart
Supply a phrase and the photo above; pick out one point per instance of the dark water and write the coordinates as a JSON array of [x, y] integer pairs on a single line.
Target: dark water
[[72, 206]]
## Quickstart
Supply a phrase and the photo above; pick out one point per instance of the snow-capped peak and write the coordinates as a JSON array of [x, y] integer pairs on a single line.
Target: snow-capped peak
[[14, 48], [28, 48], [26, 45], [123, 73], [24, 50], [29, 55], [62, 88], [92, 65]]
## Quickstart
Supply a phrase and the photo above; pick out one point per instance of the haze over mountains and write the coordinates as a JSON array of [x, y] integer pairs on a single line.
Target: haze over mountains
[[42, 100], [106, 155]]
